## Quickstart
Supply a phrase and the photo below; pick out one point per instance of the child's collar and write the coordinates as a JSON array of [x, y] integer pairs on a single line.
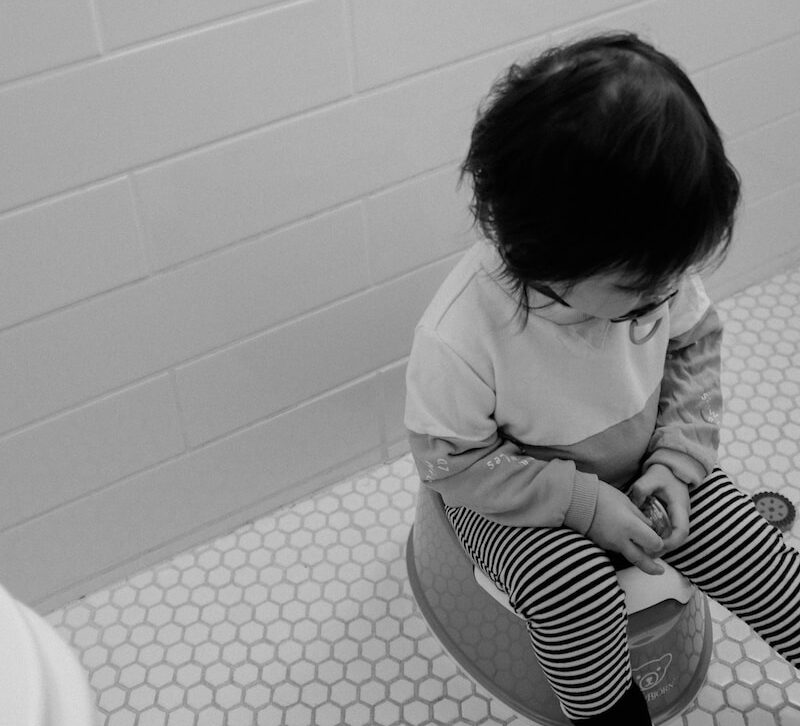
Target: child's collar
[[539, 304], [545, 307]]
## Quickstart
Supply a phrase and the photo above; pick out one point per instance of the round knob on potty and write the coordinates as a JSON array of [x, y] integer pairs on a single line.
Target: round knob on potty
[[775, 508]]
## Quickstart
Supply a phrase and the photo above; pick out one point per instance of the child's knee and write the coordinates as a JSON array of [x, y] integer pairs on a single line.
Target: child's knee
[[570, 577]]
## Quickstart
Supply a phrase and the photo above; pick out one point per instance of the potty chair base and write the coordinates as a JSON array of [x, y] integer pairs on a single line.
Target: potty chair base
[[670, 641]]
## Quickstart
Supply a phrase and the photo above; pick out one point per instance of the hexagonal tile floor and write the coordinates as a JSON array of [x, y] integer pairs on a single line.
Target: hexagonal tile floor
[[306, 616]]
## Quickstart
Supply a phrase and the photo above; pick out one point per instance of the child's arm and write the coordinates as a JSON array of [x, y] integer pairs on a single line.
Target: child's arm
[[460, 453], [686, 436], [494, 479], [521, 491]]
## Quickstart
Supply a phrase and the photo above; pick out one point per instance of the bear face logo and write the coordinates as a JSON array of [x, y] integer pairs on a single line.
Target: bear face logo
[[650, 674]]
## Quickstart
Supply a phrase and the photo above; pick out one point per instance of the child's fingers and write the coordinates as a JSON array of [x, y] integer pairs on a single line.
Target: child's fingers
[[679, 518], [650, 566], [646, 538], [636, 510], [636, 556], [641, 490], [675, 540]]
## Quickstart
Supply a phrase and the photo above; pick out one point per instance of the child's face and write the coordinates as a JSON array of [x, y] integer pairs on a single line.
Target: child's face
[[611, 296]]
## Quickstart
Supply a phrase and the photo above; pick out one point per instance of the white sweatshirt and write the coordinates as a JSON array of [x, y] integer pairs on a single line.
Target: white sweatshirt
[[519, 424]]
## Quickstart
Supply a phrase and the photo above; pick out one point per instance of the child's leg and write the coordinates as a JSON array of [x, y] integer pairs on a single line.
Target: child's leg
[[565, 588], [739, 559]]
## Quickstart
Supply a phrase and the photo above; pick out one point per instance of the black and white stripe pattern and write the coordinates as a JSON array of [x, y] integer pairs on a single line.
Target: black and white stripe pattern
[[565, 588], [740, 560]]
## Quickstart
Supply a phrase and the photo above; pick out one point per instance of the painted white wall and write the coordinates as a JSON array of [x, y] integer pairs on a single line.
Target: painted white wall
[[220, 220]]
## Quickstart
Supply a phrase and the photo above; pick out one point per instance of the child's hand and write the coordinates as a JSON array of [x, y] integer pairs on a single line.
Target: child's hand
[[659, 481], [619, 526]]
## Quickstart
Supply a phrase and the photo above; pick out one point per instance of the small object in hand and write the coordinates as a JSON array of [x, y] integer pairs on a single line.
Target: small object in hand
[[775, 508], [655, 511]]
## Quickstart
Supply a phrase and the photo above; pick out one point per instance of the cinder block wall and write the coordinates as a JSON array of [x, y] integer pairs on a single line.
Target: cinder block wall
[[219, 222]]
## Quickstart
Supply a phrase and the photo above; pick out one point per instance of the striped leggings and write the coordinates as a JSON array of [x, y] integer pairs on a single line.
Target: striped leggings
[[565, 588]]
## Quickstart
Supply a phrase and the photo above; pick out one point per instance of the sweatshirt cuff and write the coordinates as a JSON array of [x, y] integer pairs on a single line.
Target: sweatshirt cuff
[[686, 468], [583, 504]]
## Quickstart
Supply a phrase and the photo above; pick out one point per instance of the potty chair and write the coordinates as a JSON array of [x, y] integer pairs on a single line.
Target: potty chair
[[669, 627], [41, 681]]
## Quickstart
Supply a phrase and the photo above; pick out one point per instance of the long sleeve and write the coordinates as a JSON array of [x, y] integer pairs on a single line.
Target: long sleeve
[[461, 454], [686, 436]]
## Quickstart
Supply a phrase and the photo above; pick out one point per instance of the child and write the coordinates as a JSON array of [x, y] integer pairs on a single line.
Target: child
[[569, 366]]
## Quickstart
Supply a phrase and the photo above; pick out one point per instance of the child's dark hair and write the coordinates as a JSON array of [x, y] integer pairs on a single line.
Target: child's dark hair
[[600, 156]]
